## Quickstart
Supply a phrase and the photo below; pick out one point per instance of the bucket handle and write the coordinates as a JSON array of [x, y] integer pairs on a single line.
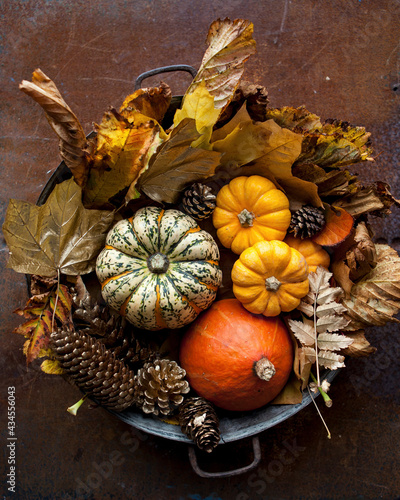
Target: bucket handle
[[229, 473], [164, 69]]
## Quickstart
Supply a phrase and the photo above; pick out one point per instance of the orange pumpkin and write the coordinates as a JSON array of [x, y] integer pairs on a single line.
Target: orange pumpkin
[[270, 277], [314, 254], [250, 209], [237, 360]]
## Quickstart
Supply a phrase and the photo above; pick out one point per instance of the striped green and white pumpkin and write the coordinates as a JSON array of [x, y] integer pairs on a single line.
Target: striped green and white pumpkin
[[159, 269]]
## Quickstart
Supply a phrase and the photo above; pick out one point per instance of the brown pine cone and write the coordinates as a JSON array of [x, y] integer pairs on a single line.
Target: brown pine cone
[[160, 386], [199, 421], [306, 222], [94, 369], [198, 201]]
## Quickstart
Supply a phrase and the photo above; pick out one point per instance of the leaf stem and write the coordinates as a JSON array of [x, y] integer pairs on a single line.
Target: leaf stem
[[327, 399], [316, 339], [74, 408], [55, 302], [319, 413]]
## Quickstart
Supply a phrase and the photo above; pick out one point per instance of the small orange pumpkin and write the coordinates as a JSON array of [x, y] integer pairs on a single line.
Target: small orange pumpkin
[[270, 277], [237, 360], [314, 254], [250, 209]]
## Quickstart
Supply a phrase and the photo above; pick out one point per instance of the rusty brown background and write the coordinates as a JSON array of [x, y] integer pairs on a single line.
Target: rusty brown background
[[340, 59]]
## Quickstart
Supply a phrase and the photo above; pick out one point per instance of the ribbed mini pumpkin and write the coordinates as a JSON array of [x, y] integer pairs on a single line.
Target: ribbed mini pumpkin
[[237, 360], [159, 269], [250, 209], [314, 254], [270, 277]]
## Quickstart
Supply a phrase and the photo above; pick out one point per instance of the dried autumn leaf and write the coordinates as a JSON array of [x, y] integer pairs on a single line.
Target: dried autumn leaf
[[303, 332], [254, 98], [374, 199], [375, 299], [330, 360], [39, 312], [61, 235], [122, 152], [327, 316], [361, 257], [333, 341], [360, 347], [52, 367], [334, 145], [37, 303], [152, 102], [230, 44], [199, 106], [338, 226], [63, 121], [177, 164], [298, 119], [37, 330], [291, 394], [337, 183], [41, 284]]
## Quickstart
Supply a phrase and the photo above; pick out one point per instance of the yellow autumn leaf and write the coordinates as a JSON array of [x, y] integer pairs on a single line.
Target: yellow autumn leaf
[[52, 367], [122, 152], [199, 105], [265, 149]]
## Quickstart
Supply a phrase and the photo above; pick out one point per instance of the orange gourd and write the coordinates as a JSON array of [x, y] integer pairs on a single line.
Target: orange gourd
[[237, 360], [250, 209], [314, 254], [270, 277]]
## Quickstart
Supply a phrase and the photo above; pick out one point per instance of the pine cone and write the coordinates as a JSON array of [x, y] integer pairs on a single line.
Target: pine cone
[[160, 386], [199, 421], [94, 369], [133, 351], [97, 319], [307, 221], [198, 201]]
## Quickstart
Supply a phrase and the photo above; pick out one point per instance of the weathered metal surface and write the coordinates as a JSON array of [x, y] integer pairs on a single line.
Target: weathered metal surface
[[340, 59]]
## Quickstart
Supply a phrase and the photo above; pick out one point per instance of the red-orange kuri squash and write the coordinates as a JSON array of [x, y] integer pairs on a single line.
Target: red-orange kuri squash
[[237, 360]]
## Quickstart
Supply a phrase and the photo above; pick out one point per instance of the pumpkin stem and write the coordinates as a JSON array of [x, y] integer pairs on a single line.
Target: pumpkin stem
[[272, 284], [264, 369], [246, 218], [158, 263]]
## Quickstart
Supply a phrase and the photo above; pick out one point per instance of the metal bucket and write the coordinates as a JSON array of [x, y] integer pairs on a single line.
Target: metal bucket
[[233, 428]]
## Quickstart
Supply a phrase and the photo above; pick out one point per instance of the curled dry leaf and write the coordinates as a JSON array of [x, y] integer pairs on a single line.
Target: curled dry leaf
[[360, 347], [297, 119], [61, 235], [230, 44], [253, 97], [336, 183], [335, 144], [177, 164], [361, 257], [63, 121], [375, 299], [374, 199], [152, 102]]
